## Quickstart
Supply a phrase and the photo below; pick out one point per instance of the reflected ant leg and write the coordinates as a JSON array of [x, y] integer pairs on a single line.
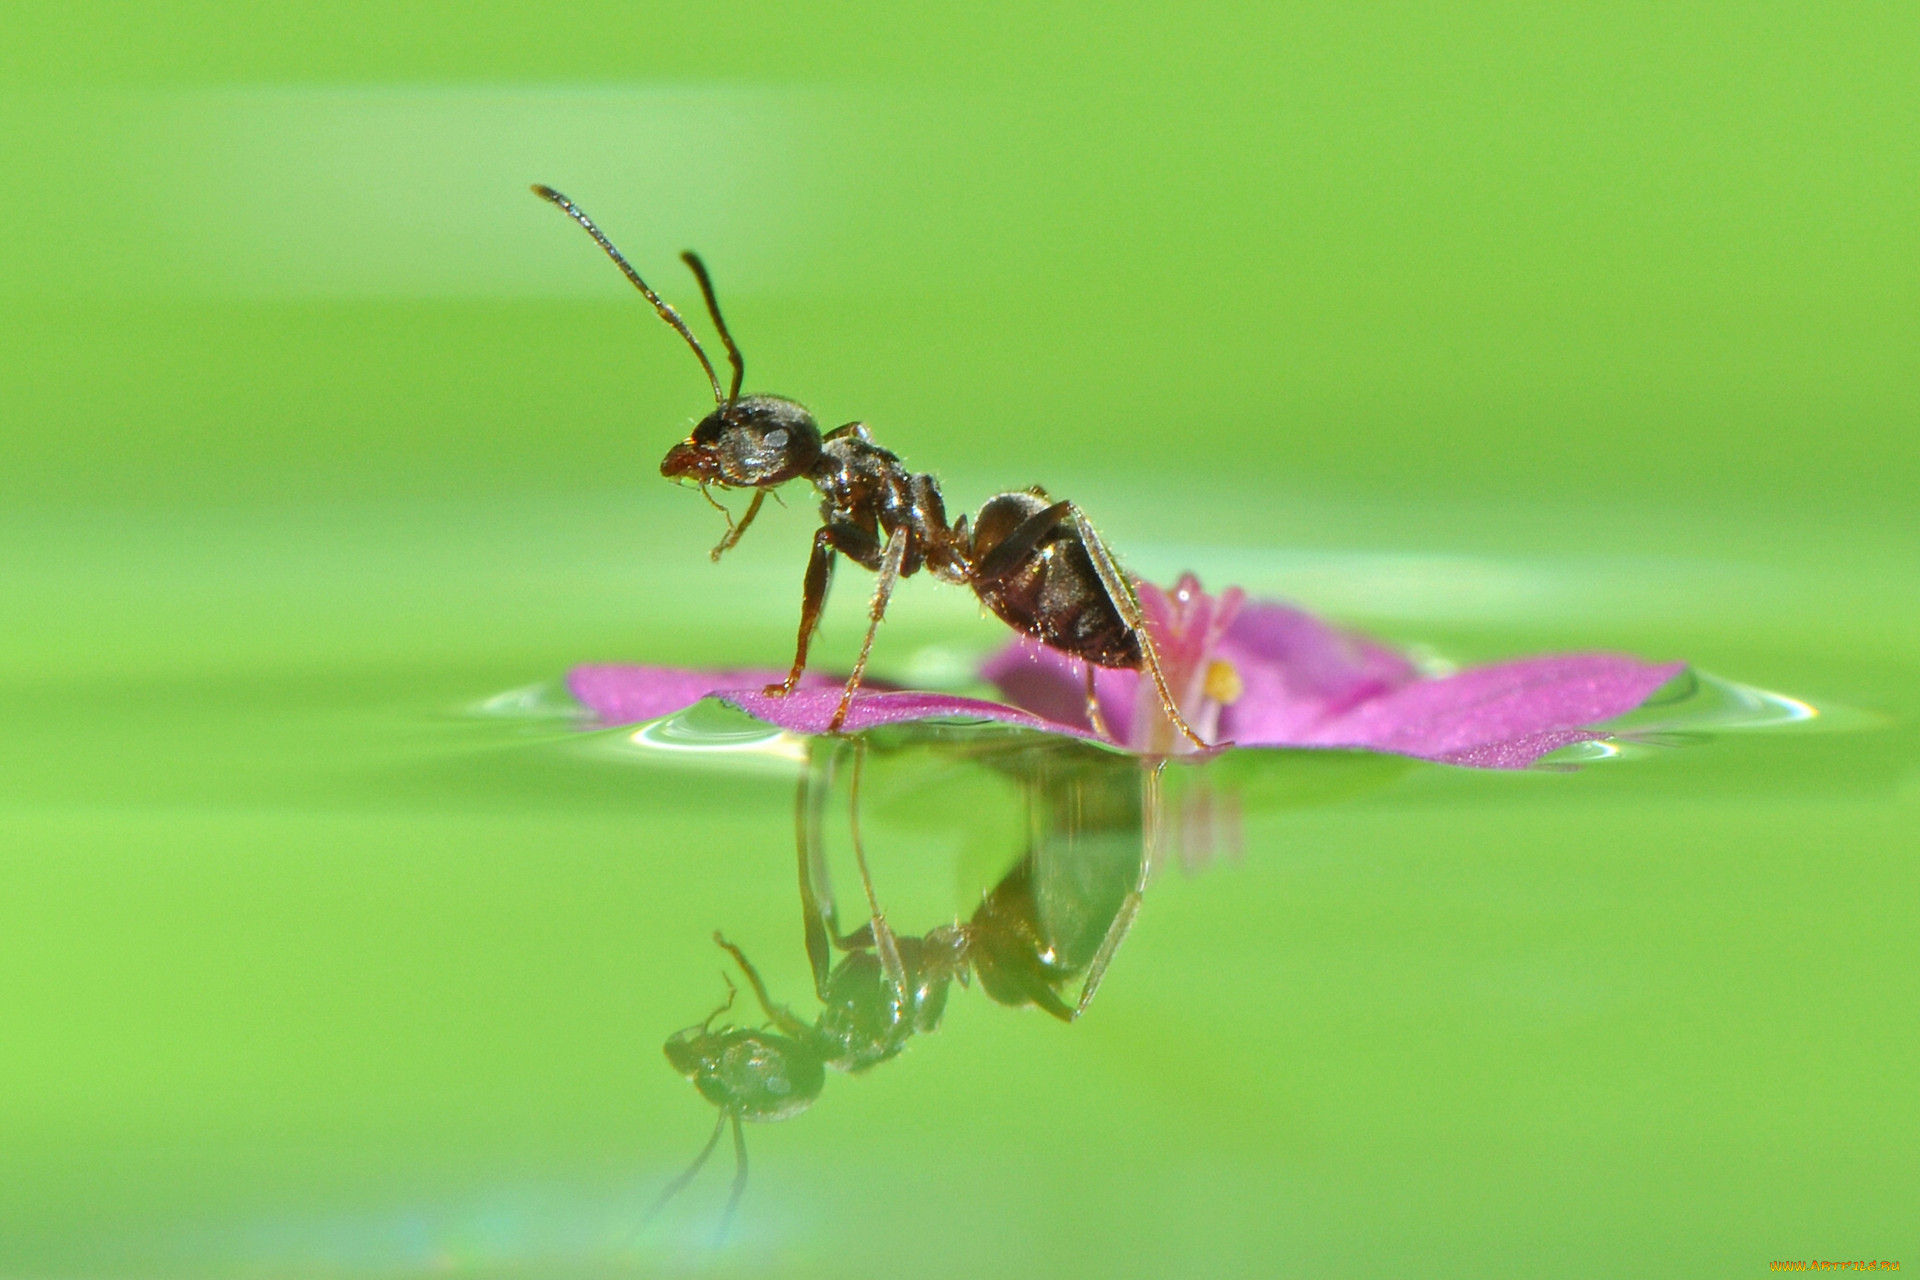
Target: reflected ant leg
[[812, 599], [814, 917], [882, 591], [883, 940], [820, 915], [1150, 819], [736, 531], [781, 1016], [816, 875], [1120, 591], [733, 993]]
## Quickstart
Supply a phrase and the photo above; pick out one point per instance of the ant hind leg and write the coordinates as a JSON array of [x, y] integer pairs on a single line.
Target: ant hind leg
[[1095, 720], [1120, 591]]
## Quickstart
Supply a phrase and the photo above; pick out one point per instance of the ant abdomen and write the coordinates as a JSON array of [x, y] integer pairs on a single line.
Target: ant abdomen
[[1042, 580]]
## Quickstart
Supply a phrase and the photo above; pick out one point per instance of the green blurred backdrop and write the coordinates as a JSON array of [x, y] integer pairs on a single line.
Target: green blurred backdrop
[[1490, 326]]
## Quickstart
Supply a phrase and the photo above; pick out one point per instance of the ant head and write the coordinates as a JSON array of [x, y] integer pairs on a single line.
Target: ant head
[[752, 443], [746, 442], [756, 1075]]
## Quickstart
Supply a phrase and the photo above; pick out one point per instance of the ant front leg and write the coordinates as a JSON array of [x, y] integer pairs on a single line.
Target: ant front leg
[[736, 531], [779, 1014], [813, 599]]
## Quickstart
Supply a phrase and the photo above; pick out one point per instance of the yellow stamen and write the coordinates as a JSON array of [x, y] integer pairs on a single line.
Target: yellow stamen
[[1223, 683]]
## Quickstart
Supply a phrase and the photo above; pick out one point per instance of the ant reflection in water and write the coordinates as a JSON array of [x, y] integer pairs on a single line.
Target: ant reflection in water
[[1055, 918]]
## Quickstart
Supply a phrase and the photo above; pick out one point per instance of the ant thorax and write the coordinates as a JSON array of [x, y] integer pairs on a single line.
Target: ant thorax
[[866, 493]]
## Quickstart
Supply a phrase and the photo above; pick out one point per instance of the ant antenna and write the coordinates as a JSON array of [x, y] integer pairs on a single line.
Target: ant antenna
[[739, 1179], [667, 313], [699, 268], [679, 1184]]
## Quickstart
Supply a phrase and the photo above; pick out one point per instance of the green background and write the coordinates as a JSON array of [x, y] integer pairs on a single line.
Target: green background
[[1491, 328]]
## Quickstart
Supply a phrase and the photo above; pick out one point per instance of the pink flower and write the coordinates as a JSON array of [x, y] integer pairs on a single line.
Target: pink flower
[[1250, 673]]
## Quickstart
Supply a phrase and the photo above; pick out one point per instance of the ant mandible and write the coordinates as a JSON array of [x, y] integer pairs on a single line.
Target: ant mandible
[[1038, 564]]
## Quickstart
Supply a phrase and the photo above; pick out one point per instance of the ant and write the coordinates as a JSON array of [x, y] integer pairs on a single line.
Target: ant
[[1058, 915], [1036, 563]]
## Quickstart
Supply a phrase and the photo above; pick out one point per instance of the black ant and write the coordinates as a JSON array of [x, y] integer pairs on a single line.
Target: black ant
[[1094, 818], [1037, 563]]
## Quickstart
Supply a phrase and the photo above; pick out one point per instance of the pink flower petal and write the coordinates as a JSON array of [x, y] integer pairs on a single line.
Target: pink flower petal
[[1504, 716], [1305, 684], [1298, 672], [629, 694], [1048, 683]]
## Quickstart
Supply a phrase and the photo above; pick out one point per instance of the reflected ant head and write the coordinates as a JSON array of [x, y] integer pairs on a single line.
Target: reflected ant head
[[755, 1075], [751, 443]]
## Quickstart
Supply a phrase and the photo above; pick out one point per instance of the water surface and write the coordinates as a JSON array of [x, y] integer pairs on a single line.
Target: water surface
[[321, 955]]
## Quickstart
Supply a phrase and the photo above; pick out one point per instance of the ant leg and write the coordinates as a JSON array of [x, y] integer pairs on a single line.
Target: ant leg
[[1094, 718], [1150, 820], [1011, 551], [717, 505], [816, 875], [733, 992], [882, 592], [735, 531], [1120, 591], [820, 918], [822, 882], [813, 917], [883, 940], [813, 598], [780, 1015]]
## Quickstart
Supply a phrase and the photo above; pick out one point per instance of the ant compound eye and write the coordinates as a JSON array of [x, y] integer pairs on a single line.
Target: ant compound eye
[[777, 438]]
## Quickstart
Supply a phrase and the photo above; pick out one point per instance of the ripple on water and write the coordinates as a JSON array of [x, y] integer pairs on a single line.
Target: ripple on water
[[1693, 709]]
